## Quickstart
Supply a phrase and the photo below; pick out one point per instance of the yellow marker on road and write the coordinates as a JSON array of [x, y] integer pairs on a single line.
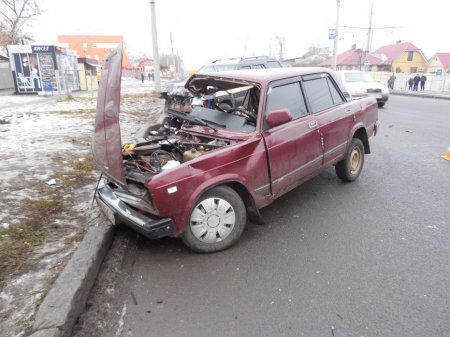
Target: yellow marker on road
[[447, 156]]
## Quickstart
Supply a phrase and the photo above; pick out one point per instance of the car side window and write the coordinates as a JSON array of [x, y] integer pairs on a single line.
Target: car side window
[[245, 67], [258, 66], [288, 96], [318, 91]]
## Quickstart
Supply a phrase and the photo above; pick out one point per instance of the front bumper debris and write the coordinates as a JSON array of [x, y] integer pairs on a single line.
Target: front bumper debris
[[117, 211]]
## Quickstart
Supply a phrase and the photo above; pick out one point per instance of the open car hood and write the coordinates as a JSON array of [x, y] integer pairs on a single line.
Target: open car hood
[[107, 148]]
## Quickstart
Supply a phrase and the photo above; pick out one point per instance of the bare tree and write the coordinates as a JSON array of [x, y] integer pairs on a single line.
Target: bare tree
[[14, 15]]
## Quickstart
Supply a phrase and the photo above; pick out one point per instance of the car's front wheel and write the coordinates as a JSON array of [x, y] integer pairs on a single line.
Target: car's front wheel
[[216, 222], [349, 168]]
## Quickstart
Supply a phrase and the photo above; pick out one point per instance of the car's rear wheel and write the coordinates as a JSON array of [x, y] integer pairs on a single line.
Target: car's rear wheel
[[349, 168], [216, 221], [381, 104]]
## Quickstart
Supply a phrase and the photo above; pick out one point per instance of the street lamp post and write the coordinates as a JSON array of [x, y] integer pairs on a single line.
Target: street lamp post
[[156, 66], [336, 35]]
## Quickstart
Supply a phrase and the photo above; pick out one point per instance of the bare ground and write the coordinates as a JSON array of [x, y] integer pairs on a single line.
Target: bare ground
[[47, 183]]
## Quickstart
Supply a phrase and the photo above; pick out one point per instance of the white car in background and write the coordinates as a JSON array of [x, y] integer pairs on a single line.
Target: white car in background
[[361, 83]]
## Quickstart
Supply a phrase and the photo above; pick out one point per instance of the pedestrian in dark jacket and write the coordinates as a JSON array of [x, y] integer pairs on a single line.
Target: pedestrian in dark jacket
[[416, 82], [142, 77], [391, 81], [410, 83], [423, 79]]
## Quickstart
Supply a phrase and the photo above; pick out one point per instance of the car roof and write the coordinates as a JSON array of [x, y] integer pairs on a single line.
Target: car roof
[[239, 60], [264, 76]]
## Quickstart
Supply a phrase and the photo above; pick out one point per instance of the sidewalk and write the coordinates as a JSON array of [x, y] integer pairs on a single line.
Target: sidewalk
[[425, 93]]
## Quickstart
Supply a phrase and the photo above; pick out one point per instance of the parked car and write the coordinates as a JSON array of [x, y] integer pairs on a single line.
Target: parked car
[[204, 169], [361, 83], [239, 63]]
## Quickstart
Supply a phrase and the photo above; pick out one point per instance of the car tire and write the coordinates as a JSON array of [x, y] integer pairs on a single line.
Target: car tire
[[381, 104], [216, 222], [349, 168]]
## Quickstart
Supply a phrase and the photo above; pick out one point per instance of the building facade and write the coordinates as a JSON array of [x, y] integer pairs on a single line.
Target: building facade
[[95, 47], [439, 64], [403, 57]]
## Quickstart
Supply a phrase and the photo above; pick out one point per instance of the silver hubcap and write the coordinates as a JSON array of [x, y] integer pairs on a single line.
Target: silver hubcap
[[212, 220]]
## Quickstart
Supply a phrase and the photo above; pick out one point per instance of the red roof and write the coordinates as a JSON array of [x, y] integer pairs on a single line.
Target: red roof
[[383, 55], [393, 51], [445, 59], [355, 57]]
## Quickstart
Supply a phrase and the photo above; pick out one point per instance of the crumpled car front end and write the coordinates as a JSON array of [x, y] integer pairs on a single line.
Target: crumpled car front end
[[189, 131]]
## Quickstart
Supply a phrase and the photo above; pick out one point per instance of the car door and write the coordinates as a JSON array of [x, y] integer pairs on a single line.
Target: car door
[[294, 148], [332, 112]]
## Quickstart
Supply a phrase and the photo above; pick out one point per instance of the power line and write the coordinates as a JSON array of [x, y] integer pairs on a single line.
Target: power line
[[365, 28]]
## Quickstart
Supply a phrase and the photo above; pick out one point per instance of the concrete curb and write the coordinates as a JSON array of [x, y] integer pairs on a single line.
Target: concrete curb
[[66, 300], [420, 94]]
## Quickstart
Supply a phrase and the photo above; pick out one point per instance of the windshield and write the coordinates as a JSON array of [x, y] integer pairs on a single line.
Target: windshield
[[358, 77]]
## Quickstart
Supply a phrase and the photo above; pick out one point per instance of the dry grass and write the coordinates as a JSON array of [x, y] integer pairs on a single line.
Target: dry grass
[[19, 239]]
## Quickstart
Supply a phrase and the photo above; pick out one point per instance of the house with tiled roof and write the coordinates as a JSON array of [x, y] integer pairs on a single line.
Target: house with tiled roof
[[439, 63], [398, 57], [403, 57], [353, 59]]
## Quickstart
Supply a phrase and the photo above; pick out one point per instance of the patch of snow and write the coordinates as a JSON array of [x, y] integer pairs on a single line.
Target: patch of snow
[[42, 135]]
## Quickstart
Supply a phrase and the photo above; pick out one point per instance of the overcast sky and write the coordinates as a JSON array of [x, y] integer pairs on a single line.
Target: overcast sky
[[204, 30]]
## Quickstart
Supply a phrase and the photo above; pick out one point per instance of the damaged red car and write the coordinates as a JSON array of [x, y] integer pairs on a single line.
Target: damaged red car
[[227, 145]]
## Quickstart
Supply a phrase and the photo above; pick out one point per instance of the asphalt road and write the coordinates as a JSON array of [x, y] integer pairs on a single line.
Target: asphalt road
[[369, 258]]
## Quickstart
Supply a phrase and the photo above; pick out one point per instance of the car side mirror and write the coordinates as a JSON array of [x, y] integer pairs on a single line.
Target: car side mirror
[[278, 117]]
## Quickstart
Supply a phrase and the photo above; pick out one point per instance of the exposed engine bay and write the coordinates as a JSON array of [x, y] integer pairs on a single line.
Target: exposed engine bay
[[211, 103], [165, 148]]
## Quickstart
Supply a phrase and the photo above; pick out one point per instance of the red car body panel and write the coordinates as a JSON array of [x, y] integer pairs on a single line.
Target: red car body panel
[[192, 179]]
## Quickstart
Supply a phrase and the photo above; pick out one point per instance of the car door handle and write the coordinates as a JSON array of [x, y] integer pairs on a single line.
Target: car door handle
[[312, 124], [348, 110]]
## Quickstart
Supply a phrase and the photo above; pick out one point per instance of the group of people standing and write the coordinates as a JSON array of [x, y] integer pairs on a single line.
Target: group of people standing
[[413, 82], [150, 74]]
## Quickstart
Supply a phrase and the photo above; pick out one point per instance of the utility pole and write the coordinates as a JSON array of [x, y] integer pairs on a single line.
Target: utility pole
[[156, 66], [280, 42], [369, 40], [369, 31], [173, 57], [336, 35]]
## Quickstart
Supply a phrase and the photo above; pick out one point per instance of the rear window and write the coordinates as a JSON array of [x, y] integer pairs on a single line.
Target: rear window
[[206, 69], [212, 68], [224, 67], [358, 77], [273, 64]]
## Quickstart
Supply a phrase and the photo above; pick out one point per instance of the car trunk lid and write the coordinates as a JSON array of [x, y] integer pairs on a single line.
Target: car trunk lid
[[107, 148]]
